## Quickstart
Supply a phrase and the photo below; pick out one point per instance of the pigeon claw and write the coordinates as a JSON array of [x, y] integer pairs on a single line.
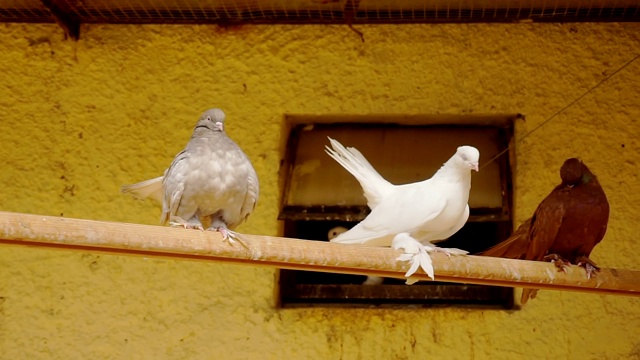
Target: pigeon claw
[[227, 235], [590, 269], [179, 222], [448, 251], [558, 261], [589, 266]]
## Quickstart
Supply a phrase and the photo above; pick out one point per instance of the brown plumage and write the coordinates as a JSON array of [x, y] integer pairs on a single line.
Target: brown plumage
[[565, 227]]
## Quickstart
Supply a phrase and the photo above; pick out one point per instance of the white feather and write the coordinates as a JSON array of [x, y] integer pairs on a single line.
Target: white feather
[[148, 189], [375, 187]]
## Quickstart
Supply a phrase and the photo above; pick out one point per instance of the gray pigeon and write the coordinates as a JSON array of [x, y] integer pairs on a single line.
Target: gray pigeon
[[210, 184], [410, 216]]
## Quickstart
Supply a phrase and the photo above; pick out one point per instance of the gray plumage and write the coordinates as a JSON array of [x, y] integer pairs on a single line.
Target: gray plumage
[[210, 184]]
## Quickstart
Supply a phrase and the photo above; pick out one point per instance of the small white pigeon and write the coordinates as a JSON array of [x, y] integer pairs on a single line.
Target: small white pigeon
[[332, 234], [335, 231], [410, 216], [211, 183]]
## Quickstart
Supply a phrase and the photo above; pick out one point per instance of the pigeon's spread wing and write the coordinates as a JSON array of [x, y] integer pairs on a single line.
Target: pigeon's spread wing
[[397, 213], [375, 187], [148, 189]]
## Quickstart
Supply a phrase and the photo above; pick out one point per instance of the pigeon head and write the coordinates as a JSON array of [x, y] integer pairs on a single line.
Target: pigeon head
[[467, 157], [574, 172], [212, 119], [334, 232], [571, 171]]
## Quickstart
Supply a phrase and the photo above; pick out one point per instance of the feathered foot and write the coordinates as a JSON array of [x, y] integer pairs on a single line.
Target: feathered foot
[[590, 267], [415, 253], [558, 261], [194, 223]]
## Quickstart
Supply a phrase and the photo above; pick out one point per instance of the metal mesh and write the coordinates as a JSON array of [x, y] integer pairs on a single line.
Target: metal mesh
[[319, 11], [24, 10]]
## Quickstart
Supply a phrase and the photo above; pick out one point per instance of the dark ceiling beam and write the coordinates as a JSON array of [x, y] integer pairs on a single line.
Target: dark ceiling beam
[[69, 14], [64, 18], [349, 13]]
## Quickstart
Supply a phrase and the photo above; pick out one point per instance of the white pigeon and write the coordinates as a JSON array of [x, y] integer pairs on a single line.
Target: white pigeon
[[335, 231], [210, 183], [332, 234], [410, 216]]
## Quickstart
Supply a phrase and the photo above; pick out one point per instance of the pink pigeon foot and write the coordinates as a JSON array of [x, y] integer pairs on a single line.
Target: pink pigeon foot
[[192, 224], [227, 235], [447, 251]]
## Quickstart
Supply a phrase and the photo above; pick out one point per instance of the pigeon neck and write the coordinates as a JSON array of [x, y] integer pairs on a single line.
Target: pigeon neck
[[452, 172], [202, 131], [587, 178]]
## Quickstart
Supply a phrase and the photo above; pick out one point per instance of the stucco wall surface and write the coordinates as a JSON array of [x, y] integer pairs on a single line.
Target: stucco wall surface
[[80, 119]]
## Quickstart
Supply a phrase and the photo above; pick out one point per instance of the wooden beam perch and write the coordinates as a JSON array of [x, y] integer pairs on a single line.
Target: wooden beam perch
[[145, 240]]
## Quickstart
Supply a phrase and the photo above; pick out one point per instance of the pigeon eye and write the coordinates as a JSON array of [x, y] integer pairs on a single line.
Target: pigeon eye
[[208, 118]]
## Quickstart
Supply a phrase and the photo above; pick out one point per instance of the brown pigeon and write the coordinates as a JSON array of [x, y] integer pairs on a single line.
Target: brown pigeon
[[565, 227]]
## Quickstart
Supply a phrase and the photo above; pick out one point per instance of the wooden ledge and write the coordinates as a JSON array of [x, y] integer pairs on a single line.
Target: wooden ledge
[[285, 253]]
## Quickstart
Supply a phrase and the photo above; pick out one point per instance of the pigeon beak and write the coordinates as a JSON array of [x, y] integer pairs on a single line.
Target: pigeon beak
[[220, 125], [474, 166]]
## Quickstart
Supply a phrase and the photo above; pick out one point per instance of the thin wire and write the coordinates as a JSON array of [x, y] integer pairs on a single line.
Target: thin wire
[[564, 108]]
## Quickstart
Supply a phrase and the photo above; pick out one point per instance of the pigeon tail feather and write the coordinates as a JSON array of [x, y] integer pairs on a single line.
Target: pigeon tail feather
[[375, 187], [148, 189], [515, 247]]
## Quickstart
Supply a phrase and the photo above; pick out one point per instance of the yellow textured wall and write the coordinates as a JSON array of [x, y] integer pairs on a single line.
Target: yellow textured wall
[[80, 119]]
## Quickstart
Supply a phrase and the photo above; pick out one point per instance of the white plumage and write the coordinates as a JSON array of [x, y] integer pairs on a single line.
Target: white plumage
[[410, 216], [211, 183]]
